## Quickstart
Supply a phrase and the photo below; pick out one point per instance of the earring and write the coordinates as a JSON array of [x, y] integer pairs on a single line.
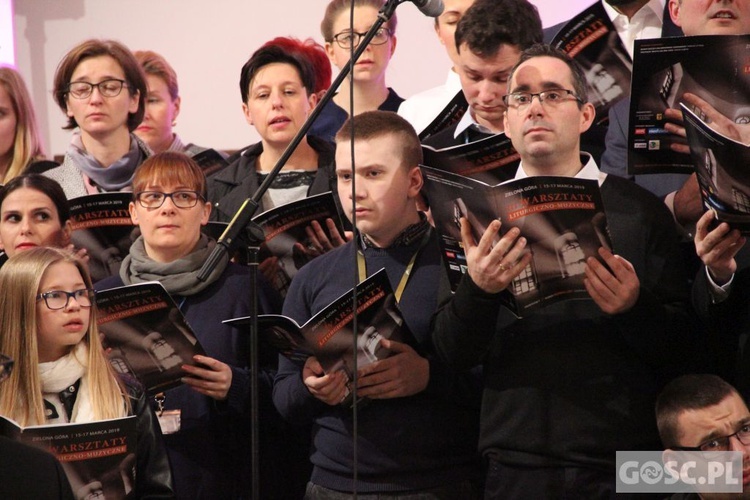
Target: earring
[[174, 123]]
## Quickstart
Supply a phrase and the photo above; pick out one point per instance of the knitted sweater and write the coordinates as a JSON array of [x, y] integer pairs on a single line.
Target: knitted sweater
[[404, 444], [570, 385]]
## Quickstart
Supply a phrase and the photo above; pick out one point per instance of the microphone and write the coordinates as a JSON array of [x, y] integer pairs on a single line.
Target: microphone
[[430, 8]]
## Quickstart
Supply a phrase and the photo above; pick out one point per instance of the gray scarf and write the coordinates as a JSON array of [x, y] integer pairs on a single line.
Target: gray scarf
[[113, 177], [179, 277]]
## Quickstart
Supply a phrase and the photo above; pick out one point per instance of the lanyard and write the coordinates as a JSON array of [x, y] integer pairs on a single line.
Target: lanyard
[[362, 267]]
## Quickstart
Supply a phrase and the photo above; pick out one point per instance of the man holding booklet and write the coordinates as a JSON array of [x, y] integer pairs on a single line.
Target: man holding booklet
[[679, 190], [417, 432], [569, 385], [721, 287]]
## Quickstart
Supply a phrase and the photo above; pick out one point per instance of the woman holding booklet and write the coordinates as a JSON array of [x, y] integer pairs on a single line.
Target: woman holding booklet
[[207, 417], [278, 93], [62, 376], [277, 89]]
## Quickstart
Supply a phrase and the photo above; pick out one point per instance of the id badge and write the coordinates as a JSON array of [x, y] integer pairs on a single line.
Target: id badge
[[169, 421]]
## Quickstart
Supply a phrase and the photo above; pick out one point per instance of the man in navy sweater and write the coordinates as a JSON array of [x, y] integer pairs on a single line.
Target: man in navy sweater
[[417, 434]]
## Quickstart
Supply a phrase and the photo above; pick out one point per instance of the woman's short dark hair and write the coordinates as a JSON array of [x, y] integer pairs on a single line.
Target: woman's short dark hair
[[311, 50], [271, 54], [94, 48]]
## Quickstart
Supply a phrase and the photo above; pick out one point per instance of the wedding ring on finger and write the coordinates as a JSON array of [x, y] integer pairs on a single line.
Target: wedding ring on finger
[[503, 267]]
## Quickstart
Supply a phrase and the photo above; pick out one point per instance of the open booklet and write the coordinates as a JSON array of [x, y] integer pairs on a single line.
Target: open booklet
[[712, 67], [329, 335], [146, 334], [99, 458], [492, 159], [449, 115], [562, 219], [210, 161], [101, 224], [285, 249], [721, 165], [592, 40]]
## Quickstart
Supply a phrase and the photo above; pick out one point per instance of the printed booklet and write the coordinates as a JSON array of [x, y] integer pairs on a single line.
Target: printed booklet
[[99, 458], [210, 161], [492, 159], [146, 334], [285, 249], [452, 113], [102, 225], [713, 67], [562, 219], [329, 335], [591, 39], [721, 165]]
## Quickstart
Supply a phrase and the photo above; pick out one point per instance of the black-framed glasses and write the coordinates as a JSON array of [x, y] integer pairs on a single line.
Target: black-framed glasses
[[349, 39], [59, 299], [6, 366], [181, 199], [551, 97], [720, 443], [107, 88]]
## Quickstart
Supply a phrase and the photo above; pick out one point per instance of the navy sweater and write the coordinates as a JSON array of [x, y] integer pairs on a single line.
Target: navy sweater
[[409, 443]]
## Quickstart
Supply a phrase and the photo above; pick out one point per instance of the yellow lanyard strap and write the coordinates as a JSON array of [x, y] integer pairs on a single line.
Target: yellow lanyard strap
[[362, 267]]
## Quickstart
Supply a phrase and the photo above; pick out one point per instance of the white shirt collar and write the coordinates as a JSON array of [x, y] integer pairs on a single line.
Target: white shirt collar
[[467, 121], [589, 171], [646, 23], [653, 7]]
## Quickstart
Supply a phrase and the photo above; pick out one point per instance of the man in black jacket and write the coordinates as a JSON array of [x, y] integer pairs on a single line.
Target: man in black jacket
[[569, 385]]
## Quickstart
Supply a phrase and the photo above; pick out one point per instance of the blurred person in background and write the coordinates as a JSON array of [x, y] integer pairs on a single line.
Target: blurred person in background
[[20, 141], [367, 81]]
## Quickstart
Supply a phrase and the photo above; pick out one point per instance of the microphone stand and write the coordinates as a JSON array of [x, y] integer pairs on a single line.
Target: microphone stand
[[241, 222]]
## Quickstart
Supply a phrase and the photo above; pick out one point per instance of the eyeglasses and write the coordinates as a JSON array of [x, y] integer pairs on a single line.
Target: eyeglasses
[[551, 97], [59, 299], [6, 367], [107, 88], [181, 199], [720, 443], [349, 39]]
